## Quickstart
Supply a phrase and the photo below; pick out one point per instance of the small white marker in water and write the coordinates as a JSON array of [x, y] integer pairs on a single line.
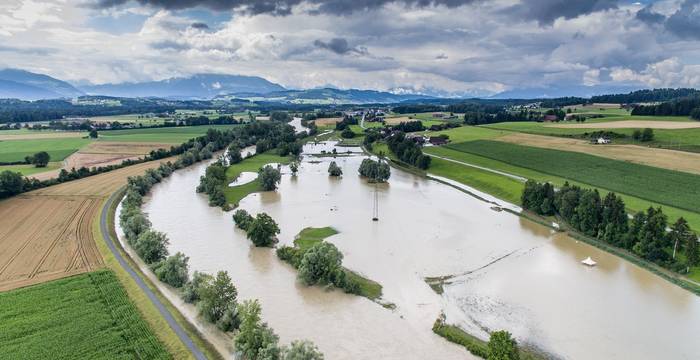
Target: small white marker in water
[[588, 261]]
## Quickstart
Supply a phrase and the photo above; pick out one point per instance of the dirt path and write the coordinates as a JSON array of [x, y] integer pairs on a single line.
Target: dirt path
[[631, 124], [663, 158]]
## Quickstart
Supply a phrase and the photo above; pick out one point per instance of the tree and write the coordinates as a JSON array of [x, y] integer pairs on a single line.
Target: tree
[[11, 183], [376, 171], [230, 320], [93, 134], [41, 159], [691, 251], [334, 169], [173, 270], [234, 155], [294, 167], [301, 350], [193, 289], [502, 346], [320, 263], [151, 246], [242, 219], [637, 134], [680, 232], [262, 230], [269, 178], [216, 297], [589, 212], [255, 340], [647, 135]]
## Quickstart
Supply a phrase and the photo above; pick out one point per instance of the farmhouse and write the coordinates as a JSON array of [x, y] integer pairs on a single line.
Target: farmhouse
[[550, 118]]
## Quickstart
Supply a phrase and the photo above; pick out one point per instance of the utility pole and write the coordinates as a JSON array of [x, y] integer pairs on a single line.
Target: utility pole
[[375, 210]]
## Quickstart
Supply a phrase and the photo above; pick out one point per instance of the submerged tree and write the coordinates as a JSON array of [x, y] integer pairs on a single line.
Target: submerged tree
[[334, 169], [320, 264], [502, 346], [263, 230], [255, 340], [269, 177], [216, 296]]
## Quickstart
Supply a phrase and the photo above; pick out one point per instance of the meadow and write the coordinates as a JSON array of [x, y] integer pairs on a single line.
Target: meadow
[[234, 194], [27, 170], [58, 148], [87, 316], [673, 188]]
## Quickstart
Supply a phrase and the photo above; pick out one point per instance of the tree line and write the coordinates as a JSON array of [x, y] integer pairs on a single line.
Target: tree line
[[687, 106], [374, 170], [645, 96], [606, 219]]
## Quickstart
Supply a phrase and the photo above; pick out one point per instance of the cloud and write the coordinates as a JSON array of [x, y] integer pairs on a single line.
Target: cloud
[[28, 50], [670, 72], [545, 12], [683, 23], [340, 46], [283, 7]]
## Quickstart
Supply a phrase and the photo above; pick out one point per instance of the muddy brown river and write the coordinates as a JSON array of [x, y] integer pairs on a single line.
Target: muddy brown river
[[515, 274]]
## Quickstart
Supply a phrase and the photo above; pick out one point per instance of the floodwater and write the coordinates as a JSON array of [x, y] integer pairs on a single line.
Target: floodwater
[[516, 275], [244, 178]]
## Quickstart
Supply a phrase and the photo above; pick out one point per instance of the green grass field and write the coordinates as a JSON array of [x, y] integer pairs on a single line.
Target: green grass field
[[173, 135], [87, 316], [30, 169], [673, 188], [235, 194], [58, 148]]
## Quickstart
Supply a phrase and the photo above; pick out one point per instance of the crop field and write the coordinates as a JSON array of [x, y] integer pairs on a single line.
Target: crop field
[[87, 316], [47, 234], [327, 121], [675, 139], [58, 148], [630, 124], [663, 186], [170, 135], [25, 134], [469, 133], [137, 119], [663, 158]]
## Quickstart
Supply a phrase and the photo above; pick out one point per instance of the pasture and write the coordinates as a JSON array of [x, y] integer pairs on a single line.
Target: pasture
[[87, 316], [58, 148], [234, 194], [672, 188], [27, 169]]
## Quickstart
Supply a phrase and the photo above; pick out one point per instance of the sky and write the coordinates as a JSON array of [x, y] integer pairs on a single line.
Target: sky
[[443, 47]]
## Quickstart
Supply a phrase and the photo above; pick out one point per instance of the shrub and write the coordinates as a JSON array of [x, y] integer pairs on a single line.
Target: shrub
[[216, 296], [262, 230], [502, 346], [191, 292], [320, 264], [151, 246]]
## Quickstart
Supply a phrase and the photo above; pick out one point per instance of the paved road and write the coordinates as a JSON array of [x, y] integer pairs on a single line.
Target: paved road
[[184, 337]]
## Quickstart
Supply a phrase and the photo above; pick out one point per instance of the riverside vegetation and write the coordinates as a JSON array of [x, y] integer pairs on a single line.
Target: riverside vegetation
[[645, 235], [214, 296]]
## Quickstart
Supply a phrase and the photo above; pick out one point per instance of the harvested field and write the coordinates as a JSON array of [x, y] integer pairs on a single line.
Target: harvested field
[[42, 135], [327, 121], [102, 154], [631, 124], [668, 159], [47, 234], [398, 120]]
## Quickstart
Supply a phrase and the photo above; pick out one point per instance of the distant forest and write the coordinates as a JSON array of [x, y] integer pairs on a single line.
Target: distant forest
[[688, 106]]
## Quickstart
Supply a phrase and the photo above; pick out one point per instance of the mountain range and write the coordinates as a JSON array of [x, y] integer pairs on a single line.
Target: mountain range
[[26, 85]]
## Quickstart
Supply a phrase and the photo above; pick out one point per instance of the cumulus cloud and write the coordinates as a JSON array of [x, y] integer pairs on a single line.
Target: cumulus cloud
[[683, 23], [667, 73]]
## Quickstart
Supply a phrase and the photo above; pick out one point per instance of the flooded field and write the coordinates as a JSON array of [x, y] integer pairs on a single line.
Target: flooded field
[[516, 275]]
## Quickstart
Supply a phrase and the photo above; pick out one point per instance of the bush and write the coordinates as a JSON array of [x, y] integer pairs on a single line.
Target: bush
[[290, 254], [255, 340], [376, 171], [269, 177], [320, 264], [301, 350], [173, 270], [502, 346], [347, 133], [41, 159], [334, 169], [230, 320]]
